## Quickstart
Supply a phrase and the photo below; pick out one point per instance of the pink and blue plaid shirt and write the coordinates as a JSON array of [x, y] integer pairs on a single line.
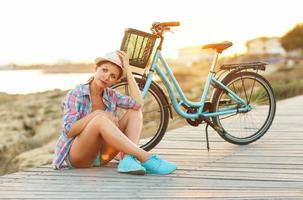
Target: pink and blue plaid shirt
[[76, 105]]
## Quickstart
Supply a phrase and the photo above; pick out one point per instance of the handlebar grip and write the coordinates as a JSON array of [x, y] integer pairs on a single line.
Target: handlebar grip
[[170, 23]]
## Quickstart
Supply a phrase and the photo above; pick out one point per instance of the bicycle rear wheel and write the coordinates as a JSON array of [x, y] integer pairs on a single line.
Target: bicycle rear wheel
[[247, 127], [155, 115]]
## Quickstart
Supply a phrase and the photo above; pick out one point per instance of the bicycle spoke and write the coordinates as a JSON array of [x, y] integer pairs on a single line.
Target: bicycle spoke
[[243, 86], [245, 127], [251, 91]]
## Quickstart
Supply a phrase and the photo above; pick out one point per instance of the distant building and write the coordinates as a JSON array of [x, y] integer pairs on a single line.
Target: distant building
[[189, 55], [265, 45]]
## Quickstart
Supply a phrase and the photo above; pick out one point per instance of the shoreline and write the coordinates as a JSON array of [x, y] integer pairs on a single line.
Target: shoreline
[[55, 68]]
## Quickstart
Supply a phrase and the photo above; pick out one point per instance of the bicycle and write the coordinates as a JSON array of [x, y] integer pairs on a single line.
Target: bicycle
[[241, 108]]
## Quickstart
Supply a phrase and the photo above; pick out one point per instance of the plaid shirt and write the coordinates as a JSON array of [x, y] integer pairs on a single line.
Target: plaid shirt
[[77, 104]]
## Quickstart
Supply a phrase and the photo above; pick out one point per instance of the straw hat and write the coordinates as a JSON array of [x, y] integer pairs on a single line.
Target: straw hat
[[112, 57]]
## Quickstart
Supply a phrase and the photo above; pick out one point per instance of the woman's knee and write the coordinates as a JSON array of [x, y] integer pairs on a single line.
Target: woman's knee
[[98, 120]]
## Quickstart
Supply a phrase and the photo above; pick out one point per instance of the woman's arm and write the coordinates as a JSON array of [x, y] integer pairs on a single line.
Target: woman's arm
[[133, 86], [134, 90]]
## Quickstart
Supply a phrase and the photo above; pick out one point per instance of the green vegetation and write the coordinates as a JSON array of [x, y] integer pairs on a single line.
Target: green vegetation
[[288, 89], [287, 82], [293, 39]]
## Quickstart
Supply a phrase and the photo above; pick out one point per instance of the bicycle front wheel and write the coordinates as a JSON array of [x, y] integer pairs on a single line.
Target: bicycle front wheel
[[155, 115], [246, 127]]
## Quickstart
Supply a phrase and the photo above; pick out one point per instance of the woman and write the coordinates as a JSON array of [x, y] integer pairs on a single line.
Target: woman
[[92, 135]]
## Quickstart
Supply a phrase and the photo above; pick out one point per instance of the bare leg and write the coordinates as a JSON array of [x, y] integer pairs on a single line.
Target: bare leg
[[101, 127], [131, 125]]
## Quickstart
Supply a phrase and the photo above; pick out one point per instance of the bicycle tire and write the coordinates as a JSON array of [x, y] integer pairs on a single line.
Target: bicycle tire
[[240, 83], [159, 127]]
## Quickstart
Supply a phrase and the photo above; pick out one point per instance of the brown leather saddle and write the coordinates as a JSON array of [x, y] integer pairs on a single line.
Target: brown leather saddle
[[219, 47]]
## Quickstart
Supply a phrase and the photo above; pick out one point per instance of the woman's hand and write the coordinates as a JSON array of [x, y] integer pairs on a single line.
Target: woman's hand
[[125, 60]]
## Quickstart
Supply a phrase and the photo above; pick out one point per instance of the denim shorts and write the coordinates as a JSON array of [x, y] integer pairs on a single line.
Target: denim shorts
[[96, 163]]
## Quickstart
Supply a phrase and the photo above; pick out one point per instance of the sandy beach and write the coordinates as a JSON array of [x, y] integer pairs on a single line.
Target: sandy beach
[[30, 125]]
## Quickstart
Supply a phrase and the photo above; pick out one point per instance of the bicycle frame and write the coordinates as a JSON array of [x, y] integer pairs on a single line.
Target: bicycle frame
[[200, 105]]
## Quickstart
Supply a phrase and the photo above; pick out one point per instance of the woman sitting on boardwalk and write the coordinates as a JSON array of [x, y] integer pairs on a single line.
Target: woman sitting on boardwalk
[[92, 135]]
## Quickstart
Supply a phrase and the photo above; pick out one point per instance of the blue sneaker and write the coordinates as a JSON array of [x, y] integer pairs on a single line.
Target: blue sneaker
[[130, 165], [155, 165]]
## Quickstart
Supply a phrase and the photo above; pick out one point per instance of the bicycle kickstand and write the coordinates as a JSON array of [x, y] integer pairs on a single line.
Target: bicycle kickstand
[[206, 132], [208, 123]]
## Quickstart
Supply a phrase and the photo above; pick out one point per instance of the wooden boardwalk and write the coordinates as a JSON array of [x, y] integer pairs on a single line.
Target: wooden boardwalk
[[271, 168]]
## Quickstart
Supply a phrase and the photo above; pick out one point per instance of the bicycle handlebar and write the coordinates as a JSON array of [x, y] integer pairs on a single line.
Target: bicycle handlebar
[[158, 25], [170, 24], [159, 28]]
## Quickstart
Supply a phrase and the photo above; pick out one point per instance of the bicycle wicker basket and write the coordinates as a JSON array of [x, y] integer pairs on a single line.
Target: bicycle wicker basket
[[138, 45]]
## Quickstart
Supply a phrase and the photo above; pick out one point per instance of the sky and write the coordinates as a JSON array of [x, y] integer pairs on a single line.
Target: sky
[[49, 31]]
